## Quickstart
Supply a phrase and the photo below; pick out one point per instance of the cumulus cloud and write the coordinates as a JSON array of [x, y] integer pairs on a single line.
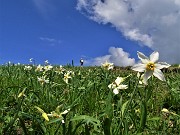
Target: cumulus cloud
[[116, 56], [152, 23]]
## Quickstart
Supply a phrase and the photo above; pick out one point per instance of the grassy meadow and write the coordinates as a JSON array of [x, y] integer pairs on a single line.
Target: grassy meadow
[[46, 100]]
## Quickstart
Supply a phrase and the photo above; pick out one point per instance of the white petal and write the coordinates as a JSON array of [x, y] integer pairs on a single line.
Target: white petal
[[138, 75], [111, 86], [119, 80], [142, 81], [122, 87], [66, 111], [147, 75], [145, 82], [116, 91], [157, 73], [154, 57], [63, 121], [139, 67], [161, 65], [165, 110], [143, 58]]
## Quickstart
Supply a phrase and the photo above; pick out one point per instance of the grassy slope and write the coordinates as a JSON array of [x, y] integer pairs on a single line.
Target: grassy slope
[[94, 109]]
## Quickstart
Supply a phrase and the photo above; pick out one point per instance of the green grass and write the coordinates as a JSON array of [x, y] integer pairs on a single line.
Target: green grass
[[94, 108]]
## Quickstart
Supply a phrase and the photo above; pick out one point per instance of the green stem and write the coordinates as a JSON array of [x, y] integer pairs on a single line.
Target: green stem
[[143, 116], [128, 105]]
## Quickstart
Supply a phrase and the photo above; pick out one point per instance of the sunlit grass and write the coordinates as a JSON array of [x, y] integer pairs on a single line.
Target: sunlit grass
[[77, 100]]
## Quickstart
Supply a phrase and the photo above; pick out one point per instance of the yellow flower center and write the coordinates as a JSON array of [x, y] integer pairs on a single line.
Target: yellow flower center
[[150, 66]]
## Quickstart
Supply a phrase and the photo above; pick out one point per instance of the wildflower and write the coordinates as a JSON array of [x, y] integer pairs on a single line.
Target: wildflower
[[44, 115], [27, 68], [53, 114], [39, 68], [66, 111], [22, 93], [169, 112], [117, 85], [58, 114], [63, 121], [43, 80], [60, 70], [67, 76], [108, 65], [71, 73], [48, 67], [137, 110], [170, 123], [130, 127], [150, 66], [141, 81], [165, 110]]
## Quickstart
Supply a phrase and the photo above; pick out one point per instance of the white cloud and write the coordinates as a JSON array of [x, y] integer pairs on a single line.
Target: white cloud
[[44, 6], [116, 56], [153, 23], [177, 2], [134, 34], [50, 41]]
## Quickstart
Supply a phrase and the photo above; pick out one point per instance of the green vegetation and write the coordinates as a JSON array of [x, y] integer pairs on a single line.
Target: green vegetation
[[78, 101]]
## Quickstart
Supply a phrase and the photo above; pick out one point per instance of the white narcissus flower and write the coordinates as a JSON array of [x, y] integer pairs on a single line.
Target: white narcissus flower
[[39, 68], [165, 110], [116, 91], [141, 80], [117, 85], [67, 76], [55, 114], [43, 80], [52, 114], [150, 66], [66, 111], [48, 67], [60, 70], [27, 68], [108, 65], [63, 121]]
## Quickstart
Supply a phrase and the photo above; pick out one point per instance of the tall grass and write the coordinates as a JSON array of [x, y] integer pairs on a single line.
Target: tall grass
[[85, 105]]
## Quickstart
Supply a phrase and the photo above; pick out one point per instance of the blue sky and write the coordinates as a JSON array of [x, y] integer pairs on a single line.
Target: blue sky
[[65, 30]]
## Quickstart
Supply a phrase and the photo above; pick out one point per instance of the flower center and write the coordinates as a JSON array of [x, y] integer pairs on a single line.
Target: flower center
[[150, 66]]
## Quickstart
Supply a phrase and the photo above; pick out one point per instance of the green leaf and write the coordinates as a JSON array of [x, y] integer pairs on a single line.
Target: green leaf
[[154, 118], [55, 120], [81, 88], [124, 107], [87, 119], [107, 126]]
